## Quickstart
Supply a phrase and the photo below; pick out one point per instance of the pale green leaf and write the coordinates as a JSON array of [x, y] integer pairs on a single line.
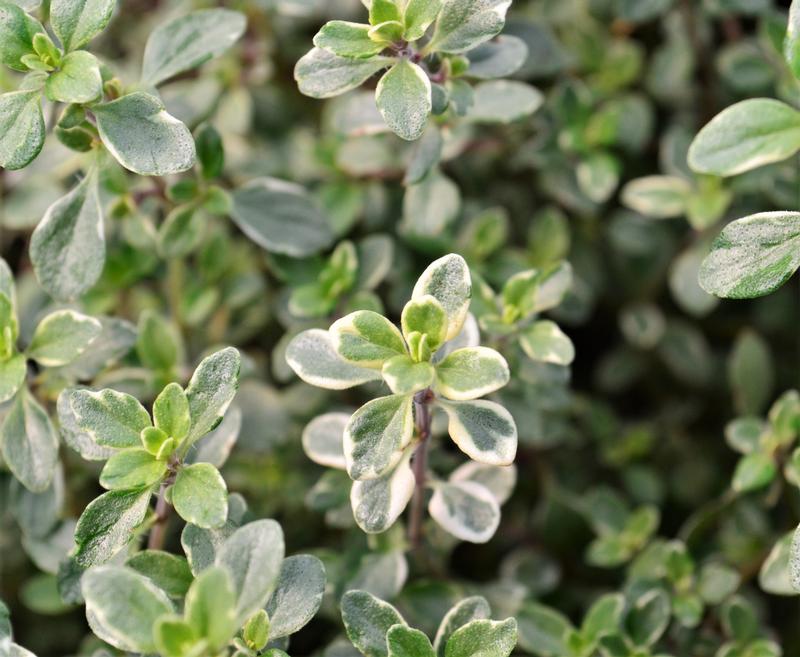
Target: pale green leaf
[[467, 610], [470, 373], [466, 510], [313, 357], [281, 217], [321, 74], [545, 341], [367, 620], [76, 22], [347, 39], [73, 435], [745, 136], [774, 576], [17, 30], [418, 16], [12, 376], [171, 412], [107, 523], [404, 641], [403, 375], [189, 41], [132, 468], [200, 495], [483, 638], [211, 390], [426, 316], [29, 442], [173, 636], [22, 129], [659, 197], [68, 246], [430, 206], [61, 337], [253, 555], [322, 439], [483, 430], [366, 339], [448, 281], [791, 44], [464, 24], [297, 596], [143, 137], [77, 80], [378, 503], [403, 96], [753, 256], [498, 58], [376, 435], [111, 418], [122, 606], [543, 630], [210, 606], [167, 571], [503, 101], [753, 472]]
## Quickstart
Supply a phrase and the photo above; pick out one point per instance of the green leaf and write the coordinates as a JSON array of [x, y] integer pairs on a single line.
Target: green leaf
[[76, 22], [143, 137], [426, 155], [77, 80], [200, 495], [313, 357], [173, 636], [367, 621], [210, 607], [347, 39], [171, 412], [253, 555], [418, 16], [376, 435], [109, 417], [754, 471], [297, 596], [403, 97], [791, 44], [29, 442], [281, 217], [745, 136], [168, 572], [132, 468], [483, 638], [544, 341], [465, 611], [603, 617], [210, 151], [424, 315], [107, 523], [659, 197], [543, 630], [503, 101], [12, 376], [122, 606], [753, 256], [22, 129], [68, 246], [211, 391], [448, 281], [366, 339], [403, 375], [158, 342], [61, 337], [465, 509], [17, 30], [472, 372], [378, 503], [430, 206], [483, 430], [321, 74], [648, 617], [502, 56], [189, 41], [404, 641], [464, 24], [775, 576]]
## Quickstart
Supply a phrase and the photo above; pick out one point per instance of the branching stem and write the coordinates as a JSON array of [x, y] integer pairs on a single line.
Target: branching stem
[[158, 533], [422, 419]]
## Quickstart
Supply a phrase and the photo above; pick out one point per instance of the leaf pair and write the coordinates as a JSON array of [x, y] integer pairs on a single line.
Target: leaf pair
[[377, 629], [146, 455]]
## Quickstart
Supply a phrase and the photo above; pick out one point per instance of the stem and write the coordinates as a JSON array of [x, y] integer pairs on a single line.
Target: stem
[[158, 532], [422, 416]]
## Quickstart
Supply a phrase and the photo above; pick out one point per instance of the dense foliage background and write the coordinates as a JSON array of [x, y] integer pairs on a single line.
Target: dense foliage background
[[638, 423]]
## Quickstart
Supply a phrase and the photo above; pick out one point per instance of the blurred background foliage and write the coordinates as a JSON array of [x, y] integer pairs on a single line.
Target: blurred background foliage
[[625, 478]]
